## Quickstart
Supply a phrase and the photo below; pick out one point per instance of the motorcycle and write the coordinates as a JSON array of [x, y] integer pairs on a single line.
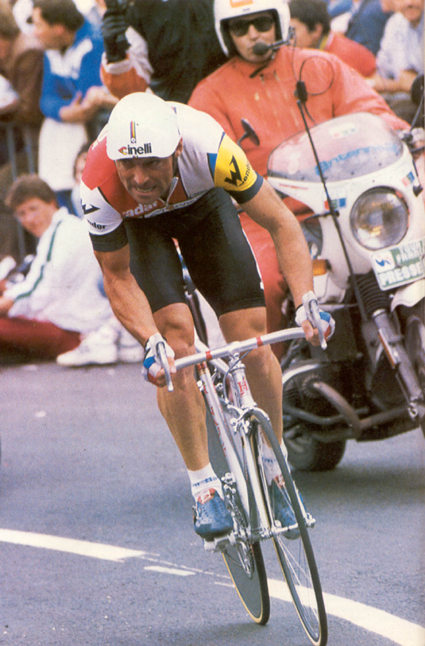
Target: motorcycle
[[366, 235]]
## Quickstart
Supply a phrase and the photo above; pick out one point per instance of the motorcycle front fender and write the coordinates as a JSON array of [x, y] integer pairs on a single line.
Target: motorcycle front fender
[[409, 295]]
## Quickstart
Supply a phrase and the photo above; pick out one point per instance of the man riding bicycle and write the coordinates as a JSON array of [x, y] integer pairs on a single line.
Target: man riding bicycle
[[156, 174]]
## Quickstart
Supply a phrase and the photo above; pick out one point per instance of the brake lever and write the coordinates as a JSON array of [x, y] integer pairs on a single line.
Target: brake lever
[[162, 355], [312, 306]]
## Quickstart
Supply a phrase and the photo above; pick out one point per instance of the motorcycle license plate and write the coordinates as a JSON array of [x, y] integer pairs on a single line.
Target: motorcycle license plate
[[399, 265]]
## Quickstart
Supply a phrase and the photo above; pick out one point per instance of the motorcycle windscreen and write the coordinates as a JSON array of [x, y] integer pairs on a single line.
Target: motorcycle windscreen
[[348, 146]]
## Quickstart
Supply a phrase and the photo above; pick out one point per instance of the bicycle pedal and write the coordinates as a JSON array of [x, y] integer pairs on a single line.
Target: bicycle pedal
[[218, 544]]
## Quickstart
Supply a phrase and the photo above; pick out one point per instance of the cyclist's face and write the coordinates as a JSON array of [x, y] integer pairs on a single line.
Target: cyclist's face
[[259, 28], [147, 179]]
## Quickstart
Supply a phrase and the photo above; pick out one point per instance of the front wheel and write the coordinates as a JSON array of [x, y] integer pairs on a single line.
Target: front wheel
[[295, 555]]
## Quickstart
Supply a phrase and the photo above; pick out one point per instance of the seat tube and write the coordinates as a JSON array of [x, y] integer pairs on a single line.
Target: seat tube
[[240, 386]]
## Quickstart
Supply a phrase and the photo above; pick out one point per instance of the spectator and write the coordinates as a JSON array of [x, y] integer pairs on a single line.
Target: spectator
[[401, 57], [367, 23], [312, 24], [261, 88], [72, 93], [21, 63], [58, 300], [173, 46]]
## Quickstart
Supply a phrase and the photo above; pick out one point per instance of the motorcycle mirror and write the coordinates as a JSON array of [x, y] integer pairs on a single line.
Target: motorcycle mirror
[[249, 133]]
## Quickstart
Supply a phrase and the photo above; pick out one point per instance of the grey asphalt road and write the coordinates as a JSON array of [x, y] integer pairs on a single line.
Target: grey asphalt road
[[87, 457]]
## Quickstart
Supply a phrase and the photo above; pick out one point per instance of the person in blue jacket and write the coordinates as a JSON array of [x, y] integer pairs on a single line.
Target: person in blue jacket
[[73, 98]]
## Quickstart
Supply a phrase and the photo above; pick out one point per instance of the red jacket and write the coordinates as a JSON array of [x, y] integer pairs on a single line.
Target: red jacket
[[268, 99]]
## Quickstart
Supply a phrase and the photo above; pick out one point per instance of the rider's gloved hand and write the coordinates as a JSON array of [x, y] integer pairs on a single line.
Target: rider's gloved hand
[[114, 26], [310, 311], [152, 363]]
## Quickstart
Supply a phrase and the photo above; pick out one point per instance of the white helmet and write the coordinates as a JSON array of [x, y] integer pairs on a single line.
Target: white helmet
[[142, 125], [225, 10]]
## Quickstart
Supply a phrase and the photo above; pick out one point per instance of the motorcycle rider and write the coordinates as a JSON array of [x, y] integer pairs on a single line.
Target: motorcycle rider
[[260, 83]]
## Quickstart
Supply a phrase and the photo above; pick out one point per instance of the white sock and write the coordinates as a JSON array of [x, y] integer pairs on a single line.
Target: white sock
[[204, 479]]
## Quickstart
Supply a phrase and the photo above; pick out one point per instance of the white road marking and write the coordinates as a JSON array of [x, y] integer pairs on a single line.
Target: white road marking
[[399, 631], [169, 570], [70, 545], [395, 629]]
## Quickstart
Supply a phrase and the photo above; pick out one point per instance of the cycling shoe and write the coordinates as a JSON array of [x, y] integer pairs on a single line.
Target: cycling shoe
[[211, 517], [282, 508]]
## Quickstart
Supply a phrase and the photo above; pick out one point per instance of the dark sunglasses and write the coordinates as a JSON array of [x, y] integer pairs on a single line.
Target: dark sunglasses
[[261, 23]]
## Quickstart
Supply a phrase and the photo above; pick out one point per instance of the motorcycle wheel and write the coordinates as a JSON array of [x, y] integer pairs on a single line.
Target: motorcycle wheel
[[305, 453]]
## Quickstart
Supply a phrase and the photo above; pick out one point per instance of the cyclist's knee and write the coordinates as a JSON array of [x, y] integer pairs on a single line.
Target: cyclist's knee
[[176, 325]]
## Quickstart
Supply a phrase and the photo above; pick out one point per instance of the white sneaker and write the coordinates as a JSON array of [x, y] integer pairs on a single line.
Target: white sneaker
[[97, 348], [129, 350]]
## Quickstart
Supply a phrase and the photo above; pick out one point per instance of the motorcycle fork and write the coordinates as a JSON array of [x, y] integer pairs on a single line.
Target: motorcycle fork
[[392, 342]]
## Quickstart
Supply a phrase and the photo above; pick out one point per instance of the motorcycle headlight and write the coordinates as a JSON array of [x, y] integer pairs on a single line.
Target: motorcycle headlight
[[379, 218]]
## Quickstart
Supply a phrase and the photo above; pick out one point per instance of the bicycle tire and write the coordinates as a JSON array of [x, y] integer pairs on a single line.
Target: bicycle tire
[[251, 586], [296, 556]]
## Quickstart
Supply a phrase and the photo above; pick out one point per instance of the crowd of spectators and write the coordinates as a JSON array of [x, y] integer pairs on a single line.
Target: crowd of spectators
[[64, 64]]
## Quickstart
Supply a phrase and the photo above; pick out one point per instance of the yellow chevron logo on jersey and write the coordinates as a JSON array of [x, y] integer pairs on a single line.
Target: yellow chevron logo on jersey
[[233, 171]]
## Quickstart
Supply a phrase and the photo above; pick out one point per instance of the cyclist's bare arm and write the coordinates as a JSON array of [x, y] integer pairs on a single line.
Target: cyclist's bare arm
[[127, 300], [292, 251]]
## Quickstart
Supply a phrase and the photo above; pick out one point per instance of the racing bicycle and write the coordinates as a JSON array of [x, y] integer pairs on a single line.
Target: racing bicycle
[[238, 433]]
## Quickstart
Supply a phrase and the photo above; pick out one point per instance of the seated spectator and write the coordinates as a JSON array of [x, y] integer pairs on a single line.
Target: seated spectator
[[46, 314], [401, 57], [367, 22], [21, 65], [72, 93], [312, 24]]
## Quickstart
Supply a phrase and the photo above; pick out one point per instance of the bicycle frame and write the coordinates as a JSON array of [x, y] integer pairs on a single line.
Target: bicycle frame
[[244, 431], [240, 411]]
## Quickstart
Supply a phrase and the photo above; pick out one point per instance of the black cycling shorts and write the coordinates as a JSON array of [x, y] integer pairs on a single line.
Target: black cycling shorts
[[215, 251]]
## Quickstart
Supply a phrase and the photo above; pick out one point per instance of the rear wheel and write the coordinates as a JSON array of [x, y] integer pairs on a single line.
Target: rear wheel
[[295, 555], [246, 568]]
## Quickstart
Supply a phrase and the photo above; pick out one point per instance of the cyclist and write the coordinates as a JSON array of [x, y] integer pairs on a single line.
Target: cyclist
[[156, 174]]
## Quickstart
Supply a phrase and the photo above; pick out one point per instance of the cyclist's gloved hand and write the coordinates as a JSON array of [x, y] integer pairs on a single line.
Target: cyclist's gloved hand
[[152, 363], [310, 311], [114, 26]]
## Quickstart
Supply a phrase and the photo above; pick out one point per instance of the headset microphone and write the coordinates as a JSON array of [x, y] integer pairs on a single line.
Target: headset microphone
[[260, 48]]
